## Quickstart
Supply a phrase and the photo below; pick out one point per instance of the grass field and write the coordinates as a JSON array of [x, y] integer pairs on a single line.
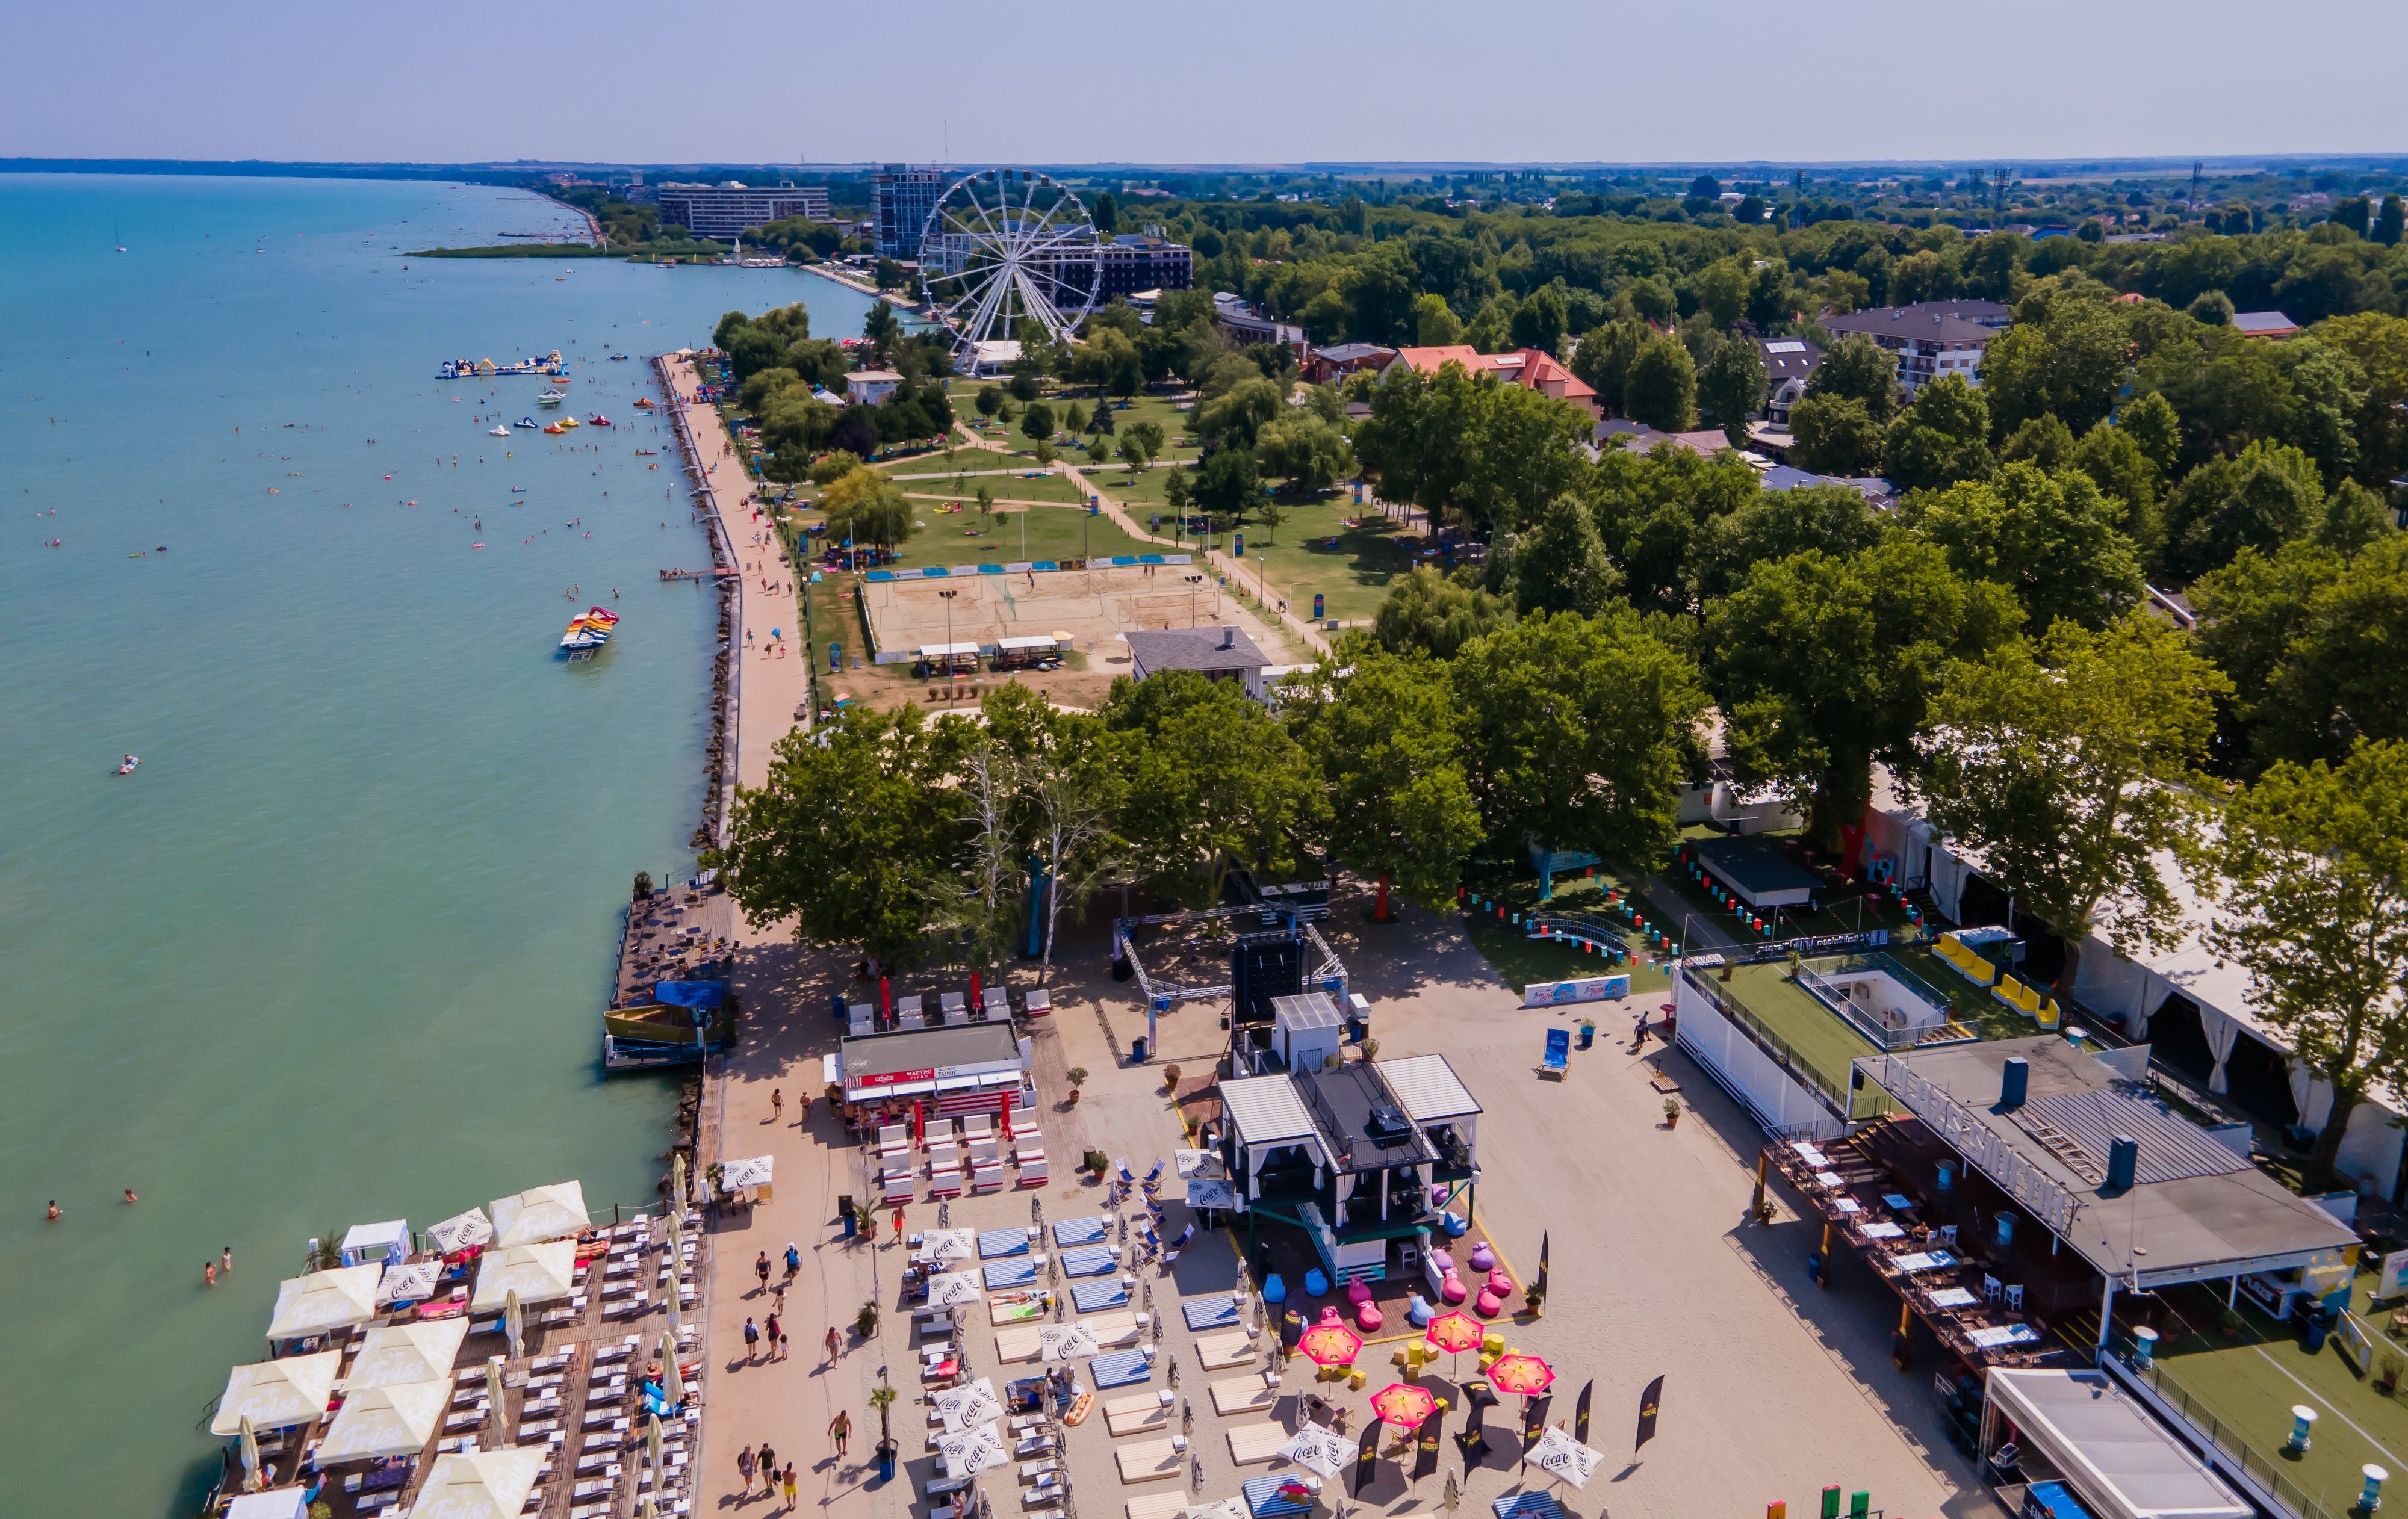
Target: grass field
[[1051, 532]]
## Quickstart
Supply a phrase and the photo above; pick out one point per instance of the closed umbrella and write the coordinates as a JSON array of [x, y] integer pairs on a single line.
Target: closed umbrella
[[1318, 1449], [676, 1233], [653, 1458], [1561, 1456], [677, 1183], [250, 1457], [494, 1394], [670, 1300], [1520, 1373], [1331, 1343], [514, 1321], [1066, 1341], [1404, 1405], [672, 1380], [272, 1395]]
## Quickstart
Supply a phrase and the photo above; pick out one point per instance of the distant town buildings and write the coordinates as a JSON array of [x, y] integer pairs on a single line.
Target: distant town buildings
[[871, 387], [1528, 368], [1329, 366], [1931, 338], [730, 209], [1788, 363], [1217, 653], [1245, 326], [2272, 324], [1142, 261], [900, 199]]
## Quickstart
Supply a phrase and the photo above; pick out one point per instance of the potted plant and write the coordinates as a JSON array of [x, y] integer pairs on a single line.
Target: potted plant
[[1531, 1297], [2229, 1321], [1171, 1078], [1587, 1033], [2387, 1373], [1095, 1161], [883, 1398], [1370, 1049], [865, 1323], [1671, 1112], [1078, 1076]]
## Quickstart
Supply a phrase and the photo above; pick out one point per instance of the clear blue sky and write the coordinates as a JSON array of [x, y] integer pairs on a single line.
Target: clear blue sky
[[1036, 80]]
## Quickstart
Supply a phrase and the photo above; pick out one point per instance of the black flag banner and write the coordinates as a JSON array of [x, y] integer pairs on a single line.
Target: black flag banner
[[1366, 1456], [1534, 1421], [1580, 1412], [1541, 1283], [1426, 1444], [1648, 1402]]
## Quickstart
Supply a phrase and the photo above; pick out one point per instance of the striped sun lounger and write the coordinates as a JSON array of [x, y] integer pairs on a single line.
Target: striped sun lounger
[[1087, 1262], [994, 1242], [1002, 1274], [1080, 1231], [1093, 1296], [1210, 1313], [1121, 1369], [1263, 1497]]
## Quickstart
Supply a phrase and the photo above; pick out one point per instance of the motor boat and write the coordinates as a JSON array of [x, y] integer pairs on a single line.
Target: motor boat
[[498, 431], [643, 403], [615, 358], [553, 398], [598, 419], [526, 422]]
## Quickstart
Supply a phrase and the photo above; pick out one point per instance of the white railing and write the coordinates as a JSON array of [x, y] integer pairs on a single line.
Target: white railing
[[2042, 1196]]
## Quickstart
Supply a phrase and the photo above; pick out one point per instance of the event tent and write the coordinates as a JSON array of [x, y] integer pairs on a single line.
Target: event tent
[[539, 1213], [481, 1484], [400, 1352], [538, 1273], [385, 1421], [274, 1394], [323, 1300]]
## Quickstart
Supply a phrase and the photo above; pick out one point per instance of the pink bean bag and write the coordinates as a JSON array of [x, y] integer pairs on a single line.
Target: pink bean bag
[[1499, 1283], [1357, 1293], [1483, 1258], [1330, 1314], [1453, 1289], [1489, 1304], [1442, 1261], [1368, 1318]]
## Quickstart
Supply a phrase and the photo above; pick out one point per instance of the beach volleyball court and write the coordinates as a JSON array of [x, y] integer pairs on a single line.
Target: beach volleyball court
[[1090, 606]]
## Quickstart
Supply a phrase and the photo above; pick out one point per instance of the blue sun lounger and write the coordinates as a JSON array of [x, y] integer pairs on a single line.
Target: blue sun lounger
[[1089, 1262], [1095, 1296], [1002, 1274], [1263, 1495], [1081, 1231], [1120, 1368], [994, 1242], [1210, 1313]]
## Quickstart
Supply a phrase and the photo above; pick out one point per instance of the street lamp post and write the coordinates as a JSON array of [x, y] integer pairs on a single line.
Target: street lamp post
[[947, 597], [1193, 581]]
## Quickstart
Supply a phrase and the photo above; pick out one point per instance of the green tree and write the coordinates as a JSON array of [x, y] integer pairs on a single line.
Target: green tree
[[2152, 424], [1560, 566], [1660, 389], [1539, 322], [1859, 369], [1304, 451], [1578, 731], [1775, 524], [1074, 418], [2051, 541], [1037, 423], [1722, 290], [2378, 345], [1942, 436], [2311, 873], [2043, 442], [1426, 612], [1226, 486], [1828, 663], [866, 506], [2266, 496], [1106, 214], [1434, 325], [1210, 782], [1146, 439], [2120, 467], [2071, 361], [2072, 764], [1603, 359], [1834, 434], [990, 401], [851, 836], [1385, 733], [830, 468], [2251, 611], [887, 274], [1731, 386], [1238, 414], [1653, 510], [2389, 221]]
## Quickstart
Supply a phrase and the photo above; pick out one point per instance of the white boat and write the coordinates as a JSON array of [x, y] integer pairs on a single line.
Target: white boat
[[553, 398], [499, 432]]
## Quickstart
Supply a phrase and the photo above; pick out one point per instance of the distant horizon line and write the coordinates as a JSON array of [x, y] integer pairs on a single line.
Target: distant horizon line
[[2089, 163]]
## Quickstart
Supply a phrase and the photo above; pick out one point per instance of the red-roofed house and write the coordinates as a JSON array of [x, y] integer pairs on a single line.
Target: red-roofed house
[[1530, 368]]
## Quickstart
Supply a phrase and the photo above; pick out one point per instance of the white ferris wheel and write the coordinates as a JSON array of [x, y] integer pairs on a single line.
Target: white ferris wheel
[[1008, 254]]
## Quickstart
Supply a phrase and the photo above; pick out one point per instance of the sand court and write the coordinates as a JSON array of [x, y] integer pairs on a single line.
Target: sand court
[[1090, 607]]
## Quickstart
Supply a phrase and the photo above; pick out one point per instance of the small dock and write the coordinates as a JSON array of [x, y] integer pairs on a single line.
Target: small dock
[[697, 574], [677, 933]]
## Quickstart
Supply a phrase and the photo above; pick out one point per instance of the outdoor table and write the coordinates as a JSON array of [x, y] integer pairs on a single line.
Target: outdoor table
[[1881, 1231], [1832, 1179], [2007, 1334], [1810, 1155], [1924, 1260], [1897, 1203], [1954, 1298], [1847, 1205]]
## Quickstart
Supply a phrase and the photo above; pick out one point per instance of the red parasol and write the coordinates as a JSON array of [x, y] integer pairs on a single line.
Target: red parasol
[[1331, 1343], [1519, 1373], [1403, 1405], [1454, 1333]]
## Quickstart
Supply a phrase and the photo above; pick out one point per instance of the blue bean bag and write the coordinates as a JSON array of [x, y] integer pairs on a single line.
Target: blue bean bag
[[1315, 1285], [1274, 1289]]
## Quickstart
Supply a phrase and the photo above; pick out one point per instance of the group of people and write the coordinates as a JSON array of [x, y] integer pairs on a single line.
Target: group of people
[[763, 1464]]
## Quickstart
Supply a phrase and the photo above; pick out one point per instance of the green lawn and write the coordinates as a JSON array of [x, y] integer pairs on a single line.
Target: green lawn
[[1052, 532], [1521, 959], [1006, 488], [1352, 574]]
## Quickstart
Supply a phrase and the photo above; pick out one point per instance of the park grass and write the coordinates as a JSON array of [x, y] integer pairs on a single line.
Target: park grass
[[1353, 575], [1053, 533]]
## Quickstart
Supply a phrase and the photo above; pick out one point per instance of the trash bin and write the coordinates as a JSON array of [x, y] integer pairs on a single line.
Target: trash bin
[[1587, 1036], [1137, 1051]]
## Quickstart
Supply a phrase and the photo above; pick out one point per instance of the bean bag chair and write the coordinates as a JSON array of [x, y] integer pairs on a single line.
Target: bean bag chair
[[1357, 1293], [1453, 1289], [1420, 1311], [1483, 1258], [1454, 1224], [1499, 1283], [1488, 1304], [1274, 1289], [1369, 1317], [1315, 1285], [1330, 1314], [1441, 1262]]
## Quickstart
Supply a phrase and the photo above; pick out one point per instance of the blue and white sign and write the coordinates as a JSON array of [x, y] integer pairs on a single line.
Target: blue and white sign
[[1551, 993]]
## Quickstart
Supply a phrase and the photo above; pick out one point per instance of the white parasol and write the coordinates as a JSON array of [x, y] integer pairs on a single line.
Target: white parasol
[[410, 1283], [672, 1380], [954, 1287], [746, 1173], [942, 1245], [1066, 1341], [1318, 1449], [971, 1451], [274, 1394], [963, 1406], [1559, 1455], [479, 1484], [1212, 1192], [539, 1213], [538, 1273], [494, 1394], [323, 1300], [1195, 1165], [385, 1421], [465, 1232], [400, 1352], [250, 1478]]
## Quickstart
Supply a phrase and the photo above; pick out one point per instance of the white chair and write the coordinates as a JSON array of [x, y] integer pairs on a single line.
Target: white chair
[[862, 1018], [942, 1154], [1040, 1002], [1948, 1235], [945, 1176], [913, 1020], [978, 1126], [911, 1007], [951, 1003], [1032, 1167], [997, 1004], [986, 1167], [893, 1139]]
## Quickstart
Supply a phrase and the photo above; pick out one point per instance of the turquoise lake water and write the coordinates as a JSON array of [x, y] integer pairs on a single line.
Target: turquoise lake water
[[335, 951]]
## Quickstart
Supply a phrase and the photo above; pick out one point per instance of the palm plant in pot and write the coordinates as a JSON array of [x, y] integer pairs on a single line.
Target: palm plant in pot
[[1076, 1076]]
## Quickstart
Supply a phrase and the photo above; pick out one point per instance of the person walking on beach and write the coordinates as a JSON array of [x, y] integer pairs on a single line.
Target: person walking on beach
[[751, 1341], [1639, 1034], [790, 1484], [768, 1462], [841, 1429], [835, 1345], [897, 1219], [794, 1261], [744, 1464], [770, 1328], [777, 1104], [761, 1269]]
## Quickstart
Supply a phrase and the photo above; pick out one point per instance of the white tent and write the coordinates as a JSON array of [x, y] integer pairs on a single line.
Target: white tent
[[1319, 1448], [481, 1485], [1066, 1341], [283, 1503], [954, 1287], [463, 1232], [385, 1421], [746, 1173], [1212, 1192], [1559, 1455], [538, 1273], [963, 1406], [539, 1213], [323, 1300], [410, 1283], [274, 1394], [394, 1354]]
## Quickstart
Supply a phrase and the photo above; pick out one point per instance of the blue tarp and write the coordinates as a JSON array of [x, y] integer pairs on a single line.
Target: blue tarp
[[1080, 1231], [1120, 1368], [995, 1243], [1088, 1262], [1095, 1296], [1002, 1274], [690, 994], [1210, 1313]]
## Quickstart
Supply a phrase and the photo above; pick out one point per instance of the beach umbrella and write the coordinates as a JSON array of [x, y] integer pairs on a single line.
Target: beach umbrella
[[514, 1324], [272, 1395], [1317, 1449], [1455, 1332], [532, 1273], [479, 1484], [1453, 1499], [973, 1404], [1196, 1163], [323, 1300], [539, 1213], [1330, 1343], [672, 1380], [465, 1231], [250, 1457], [385, 1421], [676, 1229], [1521, 1373], [1563, 1457], [494, 1394], [398, 1353], [1066, 1341], [413, 1282], [670, 1300], [938, 1246], [677, 1191], [954, 1287], [746, 1173], [1404, 1405], [652, 1457], [971, 1451]]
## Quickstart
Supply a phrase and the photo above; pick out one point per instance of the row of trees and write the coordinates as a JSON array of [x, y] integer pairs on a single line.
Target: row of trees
[[780, 369]]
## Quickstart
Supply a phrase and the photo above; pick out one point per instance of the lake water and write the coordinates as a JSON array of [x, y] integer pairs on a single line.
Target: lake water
[[335, 951]]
